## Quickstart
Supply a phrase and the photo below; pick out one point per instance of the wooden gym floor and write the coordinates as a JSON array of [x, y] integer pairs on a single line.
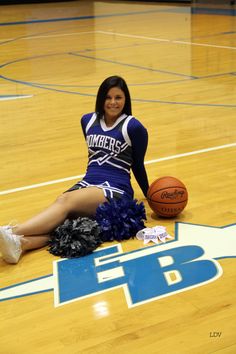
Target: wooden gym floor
[[180, 64]]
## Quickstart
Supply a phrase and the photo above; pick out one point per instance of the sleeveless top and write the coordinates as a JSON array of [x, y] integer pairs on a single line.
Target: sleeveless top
[[113, 152]]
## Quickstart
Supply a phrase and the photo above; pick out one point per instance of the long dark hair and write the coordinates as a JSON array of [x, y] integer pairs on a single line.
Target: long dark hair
[[107, 84]]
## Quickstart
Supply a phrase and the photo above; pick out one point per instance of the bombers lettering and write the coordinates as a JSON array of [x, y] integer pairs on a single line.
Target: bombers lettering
[[103, 141]]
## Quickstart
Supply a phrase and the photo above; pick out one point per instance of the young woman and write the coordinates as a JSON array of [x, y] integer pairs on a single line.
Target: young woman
[[117, 143]]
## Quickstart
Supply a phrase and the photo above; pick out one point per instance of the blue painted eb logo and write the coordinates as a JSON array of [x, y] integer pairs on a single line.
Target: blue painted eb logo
[[145, 275]]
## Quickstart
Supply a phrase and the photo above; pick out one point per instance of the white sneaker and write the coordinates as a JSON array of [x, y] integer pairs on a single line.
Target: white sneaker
[[10, 245]]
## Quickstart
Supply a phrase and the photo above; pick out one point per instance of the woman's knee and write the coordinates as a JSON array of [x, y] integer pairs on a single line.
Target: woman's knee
[[63, 200], [68, 201]]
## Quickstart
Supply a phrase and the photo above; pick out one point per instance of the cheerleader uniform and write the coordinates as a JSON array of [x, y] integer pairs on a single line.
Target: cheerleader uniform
[[112, 153]]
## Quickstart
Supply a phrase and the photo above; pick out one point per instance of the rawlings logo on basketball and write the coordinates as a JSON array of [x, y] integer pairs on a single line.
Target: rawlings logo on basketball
[[167, 196], [177, 194]]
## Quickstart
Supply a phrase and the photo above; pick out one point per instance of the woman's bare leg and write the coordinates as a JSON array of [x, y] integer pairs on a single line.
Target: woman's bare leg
[[35, 232], [33, 242], [82, 202]]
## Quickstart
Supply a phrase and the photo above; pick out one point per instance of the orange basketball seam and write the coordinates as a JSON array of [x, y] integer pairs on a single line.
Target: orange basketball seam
[[169, 202]]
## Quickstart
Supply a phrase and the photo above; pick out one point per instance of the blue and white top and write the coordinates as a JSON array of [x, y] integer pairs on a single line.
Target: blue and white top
[[112, 152]]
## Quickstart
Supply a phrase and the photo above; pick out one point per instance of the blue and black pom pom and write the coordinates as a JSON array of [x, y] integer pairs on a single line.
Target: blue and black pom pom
[[75, 238], [116, 220], [120, 219]]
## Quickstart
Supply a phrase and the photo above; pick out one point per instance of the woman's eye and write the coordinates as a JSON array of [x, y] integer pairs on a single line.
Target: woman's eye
[[115, 98]]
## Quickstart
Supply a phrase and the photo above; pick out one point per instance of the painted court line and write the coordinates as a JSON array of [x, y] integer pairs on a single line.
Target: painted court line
[[13, 97], [190, 153], [165, 40], [37, 185], [57, 35], [25, 38]]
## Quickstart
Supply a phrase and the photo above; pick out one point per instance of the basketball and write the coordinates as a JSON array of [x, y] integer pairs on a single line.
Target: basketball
[[167, 196]]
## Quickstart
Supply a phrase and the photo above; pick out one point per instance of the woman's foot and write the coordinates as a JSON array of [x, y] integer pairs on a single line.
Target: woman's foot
[[10, 245]]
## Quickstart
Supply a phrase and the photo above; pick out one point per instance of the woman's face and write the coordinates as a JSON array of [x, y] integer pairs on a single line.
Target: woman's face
[[114, 103]]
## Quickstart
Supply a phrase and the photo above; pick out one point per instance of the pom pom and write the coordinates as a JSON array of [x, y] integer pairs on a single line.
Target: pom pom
[[120, 219], [75, 238], [115, 220]]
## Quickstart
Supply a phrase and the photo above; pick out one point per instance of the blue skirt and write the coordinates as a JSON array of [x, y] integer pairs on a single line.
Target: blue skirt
[[109, 191]]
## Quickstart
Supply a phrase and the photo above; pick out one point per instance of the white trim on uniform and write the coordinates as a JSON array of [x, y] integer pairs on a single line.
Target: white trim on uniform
[[104, 126], [125, 130], [91, 121]]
